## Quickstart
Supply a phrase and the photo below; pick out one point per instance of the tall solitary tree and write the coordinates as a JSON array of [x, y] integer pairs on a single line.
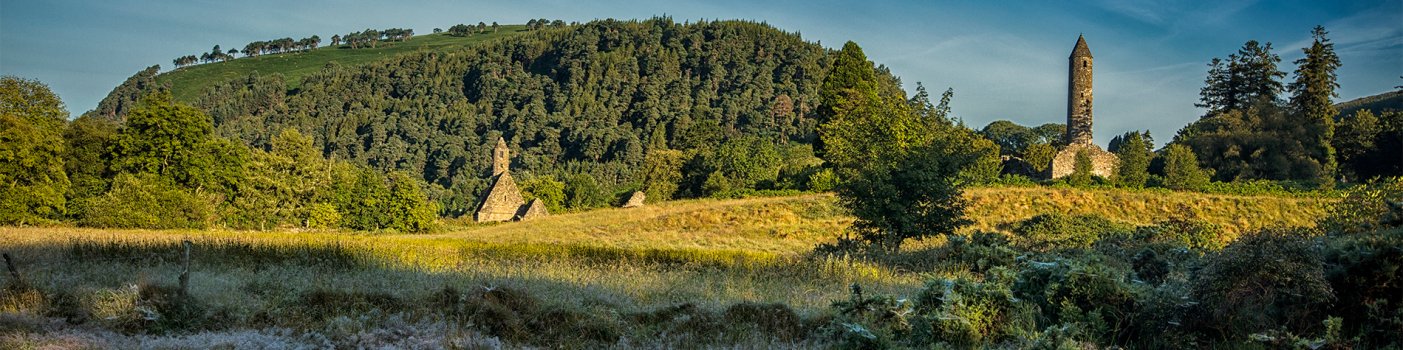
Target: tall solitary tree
[[1312, 97]]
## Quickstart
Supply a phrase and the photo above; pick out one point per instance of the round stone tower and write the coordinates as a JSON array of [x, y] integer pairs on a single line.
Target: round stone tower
[[1079, 94]]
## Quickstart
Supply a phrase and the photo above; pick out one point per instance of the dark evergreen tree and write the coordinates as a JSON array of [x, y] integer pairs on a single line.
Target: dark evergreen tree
[[1312, 96]]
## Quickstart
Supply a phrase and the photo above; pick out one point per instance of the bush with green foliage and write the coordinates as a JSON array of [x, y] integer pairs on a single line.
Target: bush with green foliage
[[1096, 296], [32, 121], [369, 201], [963, 312], [1266, 280], [1081, 170], [1374, 206], [661, 174], [1364, 271], [1059, 231], [1135, 152], [1181, 171], [147, 201], [549, 190], [583, 192], [918, 196]]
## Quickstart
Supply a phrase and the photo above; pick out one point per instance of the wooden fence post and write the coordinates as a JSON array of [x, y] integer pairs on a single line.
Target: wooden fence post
[[185, 270]]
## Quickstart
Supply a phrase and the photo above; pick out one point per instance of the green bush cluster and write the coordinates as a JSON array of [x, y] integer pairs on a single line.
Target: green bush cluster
[[1058, 231], [1079, 281], [164, 167]]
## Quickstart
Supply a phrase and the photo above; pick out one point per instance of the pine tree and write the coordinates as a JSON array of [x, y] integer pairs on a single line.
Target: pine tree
[[1134, 153], [1312, 95], [1244, 78], [850, 83], [1181, 171]]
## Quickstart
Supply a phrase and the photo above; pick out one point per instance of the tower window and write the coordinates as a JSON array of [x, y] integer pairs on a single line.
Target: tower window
[[1085, 64]]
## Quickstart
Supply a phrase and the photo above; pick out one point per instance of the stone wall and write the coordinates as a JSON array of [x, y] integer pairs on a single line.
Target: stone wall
[[1103, 163]]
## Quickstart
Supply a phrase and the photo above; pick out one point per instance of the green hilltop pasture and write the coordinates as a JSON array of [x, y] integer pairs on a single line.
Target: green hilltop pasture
[[187, 83]]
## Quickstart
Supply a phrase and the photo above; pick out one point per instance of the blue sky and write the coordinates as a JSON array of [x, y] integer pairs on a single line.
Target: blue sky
[[1005, 60]]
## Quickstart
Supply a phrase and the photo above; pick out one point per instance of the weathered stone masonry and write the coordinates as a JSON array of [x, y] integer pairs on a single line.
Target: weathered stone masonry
[[1079, 103]]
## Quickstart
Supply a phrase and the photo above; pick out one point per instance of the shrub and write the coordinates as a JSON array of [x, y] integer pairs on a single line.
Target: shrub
[[151, 308], [962, 312], [823, 180], [861, 314], [1373, 206], [583, 192], [322, 216], [1087, 292], [1364, 271], [917, 195], [1267, 279], [1181, 171], [1198, 235], [1081, 170], [661, 172], [146, 201], [1057, 231], [980, 251], [1135, 155], [548, 190]]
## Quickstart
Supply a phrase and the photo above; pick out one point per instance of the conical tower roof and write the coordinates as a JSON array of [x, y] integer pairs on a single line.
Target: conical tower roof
[[1081, 49]]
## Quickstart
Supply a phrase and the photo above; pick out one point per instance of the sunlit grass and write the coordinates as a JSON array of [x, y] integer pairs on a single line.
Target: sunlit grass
[[712, 253]]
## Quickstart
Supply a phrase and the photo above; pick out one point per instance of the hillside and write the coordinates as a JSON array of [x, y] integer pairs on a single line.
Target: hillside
[[585, 100], [794, 225], [188, 82], [1392, 100]]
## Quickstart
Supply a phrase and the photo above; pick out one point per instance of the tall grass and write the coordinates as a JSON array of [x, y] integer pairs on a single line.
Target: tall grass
[[711, 254]]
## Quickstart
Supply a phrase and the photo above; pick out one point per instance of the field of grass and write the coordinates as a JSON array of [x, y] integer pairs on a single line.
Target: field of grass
[[349, 287], [187, 83]]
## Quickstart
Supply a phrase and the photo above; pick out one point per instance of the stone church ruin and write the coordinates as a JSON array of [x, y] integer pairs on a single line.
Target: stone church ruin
[[503, 201]]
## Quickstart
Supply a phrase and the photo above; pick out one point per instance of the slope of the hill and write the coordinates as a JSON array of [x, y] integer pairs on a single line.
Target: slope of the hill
[[794, 225], [187, 83], [1392, 100], [585, 100]]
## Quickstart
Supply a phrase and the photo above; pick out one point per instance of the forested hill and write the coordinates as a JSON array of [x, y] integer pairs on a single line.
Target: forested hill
[[589, 99], [1392, 100]]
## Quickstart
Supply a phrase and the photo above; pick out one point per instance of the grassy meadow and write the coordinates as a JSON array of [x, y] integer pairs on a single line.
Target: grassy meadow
[[707, 257], [186, 83]]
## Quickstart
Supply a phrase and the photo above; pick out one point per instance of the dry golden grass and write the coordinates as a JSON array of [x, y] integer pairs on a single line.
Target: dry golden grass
[[992, 207], [713, 253]]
